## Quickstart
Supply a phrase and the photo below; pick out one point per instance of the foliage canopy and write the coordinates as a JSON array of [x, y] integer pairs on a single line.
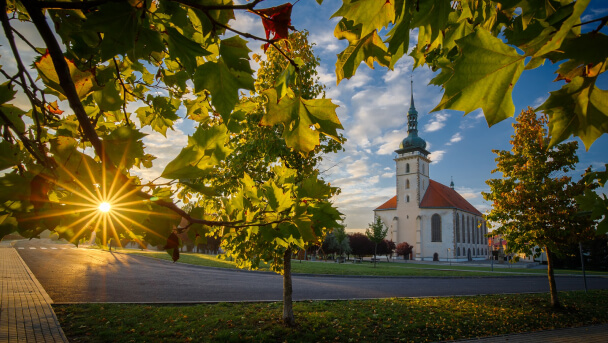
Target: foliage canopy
[[482, 47]]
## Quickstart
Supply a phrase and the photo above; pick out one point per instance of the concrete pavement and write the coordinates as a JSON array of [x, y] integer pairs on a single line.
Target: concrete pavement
[[26, 314]]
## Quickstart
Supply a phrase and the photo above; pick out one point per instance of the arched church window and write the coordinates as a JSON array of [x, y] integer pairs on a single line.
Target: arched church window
[[457, 229], [407, 184], [468, 230], [435, 228], [458, 251], [407, 198], [407, 167], [474, 231], [463, 231]]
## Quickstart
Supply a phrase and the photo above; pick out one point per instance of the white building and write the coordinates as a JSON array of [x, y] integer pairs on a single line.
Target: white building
[[432, 217]]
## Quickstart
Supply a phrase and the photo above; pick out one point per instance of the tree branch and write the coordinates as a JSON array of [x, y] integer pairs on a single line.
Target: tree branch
[[124, 89]]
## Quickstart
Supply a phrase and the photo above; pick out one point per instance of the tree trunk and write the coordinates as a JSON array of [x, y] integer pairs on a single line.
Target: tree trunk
[[552, 288], [288, 318], [375, 249]]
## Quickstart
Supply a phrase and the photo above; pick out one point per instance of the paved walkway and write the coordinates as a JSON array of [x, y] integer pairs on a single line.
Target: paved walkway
[[26, 314], [587, 334]]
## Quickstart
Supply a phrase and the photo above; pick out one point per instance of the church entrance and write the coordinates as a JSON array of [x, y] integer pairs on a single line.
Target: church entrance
[[469, 255], [435, 257]]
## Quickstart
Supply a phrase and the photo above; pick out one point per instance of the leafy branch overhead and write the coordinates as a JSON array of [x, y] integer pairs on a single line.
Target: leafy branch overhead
[[108, 71], [477, 46]]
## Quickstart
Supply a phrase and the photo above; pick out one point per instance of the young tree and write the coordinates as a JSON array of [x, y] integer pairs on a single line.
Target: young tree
[[533, 203], [72, 129], [404, 249], [376, 233], [482, 47]]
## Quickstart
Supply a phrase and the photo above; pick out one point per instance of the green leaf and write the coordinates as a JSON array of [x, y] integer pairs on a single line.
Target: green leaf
[[108, 98], [8, 225], [430, 18], [278, 200], [222, 83], [205, 149], [371, 15], [558, 37], [579, 108], [235, 54], [484, 76], [118, 21], [283, 82], [161, 115], [305, 229], [299, 116], [7, 92], [186, 50], [399, 36], [314, 188], [14, 116], [9, 154], [368, 49]]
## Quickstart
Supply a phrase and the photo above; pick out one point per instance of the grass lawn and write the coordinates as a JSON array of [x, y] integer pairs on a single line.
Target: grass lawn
[[365, 268], [384, 320]]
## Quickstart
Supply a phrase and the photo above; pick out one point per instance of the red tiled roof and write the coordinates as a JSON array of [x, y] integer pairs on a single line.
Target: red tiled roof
[[389, 205], [440, 196]]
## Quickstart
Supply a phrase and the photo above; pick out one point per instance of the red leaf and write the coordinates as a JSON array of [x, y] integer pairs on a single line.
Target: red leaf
[[276, 21], [173, 243], [39, 189], [54, 108]]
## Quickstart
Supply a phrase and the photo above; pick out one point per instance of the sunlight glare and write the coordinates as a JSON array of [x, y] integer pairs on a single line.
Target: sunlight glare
[[104, 207]]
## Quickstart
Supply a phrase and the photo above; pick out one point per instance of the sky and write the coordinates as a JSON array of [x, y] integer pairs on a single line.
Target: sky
[[372, 108]]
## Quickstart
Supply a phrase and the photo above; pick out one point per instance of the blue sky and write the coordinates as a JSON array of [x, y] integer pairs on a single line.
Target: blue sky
[[373, 107]]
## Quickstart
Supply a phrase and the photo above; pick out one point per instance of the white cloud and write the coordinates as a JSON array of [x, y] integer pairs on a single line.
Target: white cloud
[[388, 175], [437, 123], [436, 155], [457, 137], [390, 142], [539, 101], [467, 193]]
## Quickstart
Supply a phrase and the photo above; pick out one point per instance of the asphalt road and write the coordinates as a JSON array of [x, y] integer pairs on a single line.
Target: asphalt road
[[85, 275]]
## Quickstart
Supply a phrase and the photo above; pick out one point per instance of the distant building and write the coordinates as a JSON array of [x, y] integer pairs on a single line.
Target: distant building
[[432, 217]]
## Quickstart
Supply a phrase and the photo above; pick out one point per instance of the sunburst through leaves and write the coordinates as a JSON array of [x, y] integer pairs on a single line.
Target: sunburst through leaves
[[93, 204]]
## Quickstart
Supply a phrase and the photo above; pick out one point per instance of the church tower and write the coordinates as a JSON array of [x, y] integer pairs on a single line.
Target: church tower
[[437, 221], [412, 163]]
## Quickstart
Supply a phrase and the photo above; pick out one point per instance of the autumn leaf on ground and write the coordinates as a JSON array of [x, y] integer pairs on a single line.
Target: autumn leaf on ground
[[276, 21]]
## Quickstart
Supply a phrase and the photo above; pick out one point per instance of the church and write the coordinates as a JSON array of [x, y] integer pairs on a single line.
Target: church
[[437, 221]]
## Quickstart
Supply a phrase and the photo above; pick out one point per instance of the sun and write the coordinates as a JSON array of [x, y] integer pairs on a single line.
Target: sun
[[105, 207]]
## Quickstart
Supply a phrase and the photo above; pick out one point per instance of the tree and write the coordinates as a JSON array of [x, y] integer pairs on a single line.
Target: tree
[[72, 129], [404, 249], [342, 240], [386, 247], [477, 43], [376, 233], [360, 245], [533, 204]]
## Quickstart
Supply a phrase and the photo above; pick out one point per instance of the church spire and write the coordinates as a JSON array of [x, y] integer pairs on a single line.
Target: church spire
[[412, 107], [452, 182], [412, 142], [412, 114]]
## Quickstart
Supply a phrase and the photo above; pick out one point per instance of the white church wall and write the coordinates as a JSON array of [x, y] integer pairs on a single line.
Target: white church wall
[[428, 247]]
